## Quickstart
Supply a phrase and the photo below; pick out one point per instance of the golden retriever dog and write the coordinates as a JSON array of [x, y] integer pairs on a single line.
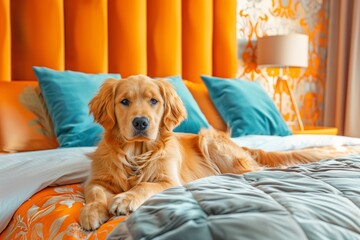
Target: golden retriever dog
[[140, 155]]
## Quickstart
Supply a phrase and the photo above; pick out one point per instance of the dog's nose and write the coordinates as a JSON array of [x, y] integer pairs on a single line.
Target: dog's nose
[[140, 123]]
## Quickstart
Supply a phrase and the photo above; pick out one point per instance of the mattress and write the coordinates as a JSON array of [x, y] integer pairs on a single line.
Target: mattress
[[41, 192]]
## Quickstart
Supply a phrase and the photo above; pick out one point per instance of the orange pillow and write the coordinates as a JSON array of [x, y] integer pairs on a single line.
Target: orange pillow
[[201, 95], [25, 124]]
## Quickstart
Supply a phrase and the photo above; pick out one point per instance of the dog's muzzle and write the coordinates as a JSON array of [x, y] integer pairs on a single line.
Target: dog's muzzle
[[140, 123]]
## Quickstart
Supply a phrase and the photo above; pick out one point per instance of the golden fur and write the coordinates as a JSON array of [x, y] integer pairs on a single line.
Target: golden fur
[[131, 165]]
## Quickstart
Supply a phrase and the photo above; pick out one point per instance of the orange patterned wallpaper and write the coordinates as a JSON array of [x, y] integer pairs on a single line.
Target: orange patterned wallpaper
[[257, 18]]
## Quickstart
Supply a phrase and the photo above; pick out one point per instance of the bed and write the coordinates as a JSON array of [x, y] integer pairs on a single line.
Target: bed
[[42, 193], [43, 167]]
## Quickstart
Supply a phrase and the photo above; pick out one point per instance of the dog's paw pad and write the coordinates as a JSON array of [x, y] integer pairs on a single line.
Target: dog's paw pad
[[93, 215], [123, 205]]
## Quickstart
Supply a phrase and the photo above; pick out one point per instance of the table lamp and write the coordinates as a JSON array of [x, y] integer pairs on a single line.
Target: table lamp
[[283, 51]]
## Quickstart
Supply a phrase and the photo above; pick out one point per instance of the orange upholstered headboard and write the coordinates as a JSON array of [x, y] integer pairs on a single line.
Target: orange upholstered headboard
[[153, 37]]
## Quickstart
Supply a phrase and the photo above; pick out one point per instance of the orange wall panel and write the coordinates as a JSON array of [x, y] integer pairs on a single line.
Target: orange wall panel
[[164, 37], [225, 45], [197, 33], [127, 37], [5, 60], [86, 39], [37, 36]]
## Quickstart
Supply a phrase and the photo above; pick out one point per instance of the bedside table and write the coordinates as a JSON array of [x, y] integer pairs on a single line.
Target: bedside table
[[316, 130]]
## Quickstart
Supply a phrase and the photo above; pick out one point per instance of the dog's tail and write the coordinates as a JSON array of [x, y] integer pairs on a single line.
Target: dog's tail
[[279, 159], [229, 157]]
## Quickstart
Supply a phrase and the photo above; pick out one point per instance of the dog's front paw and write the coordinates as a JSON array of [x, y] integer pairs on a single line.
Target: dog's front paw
[[92, 215], [124, 203]]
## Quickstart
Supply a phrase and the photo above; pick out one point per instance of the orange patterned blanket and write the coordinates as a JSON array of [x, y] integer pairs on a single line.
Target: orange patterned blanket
[[53, 213]]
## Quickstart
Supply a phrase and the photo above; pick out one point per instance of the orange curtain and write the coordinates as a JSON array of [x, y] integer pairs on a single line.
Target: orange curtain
[[164, 37], [37, 36], [224, 37], [127, 37], [5, 59], [197, 30], [342, 97], [86, 35]]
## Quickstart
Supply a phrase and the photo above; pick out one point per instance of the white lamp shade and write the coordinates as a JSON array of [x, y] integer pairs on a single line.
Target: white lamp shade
[[283, 51]]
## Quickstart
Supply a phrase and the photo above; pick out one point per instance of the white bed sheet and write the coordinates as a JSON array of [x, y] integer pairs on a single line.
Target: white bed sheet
[[24, 174], [292, 142]]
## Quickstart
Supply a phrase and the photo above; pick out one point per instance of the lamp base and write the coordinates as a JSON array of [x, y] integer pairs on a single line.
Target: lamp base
[[284, 82]]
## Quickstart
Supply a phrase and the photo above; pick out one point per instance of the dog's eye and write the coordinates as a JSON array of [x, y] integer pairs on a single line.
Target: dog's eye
[[153, 101], [125, 102]]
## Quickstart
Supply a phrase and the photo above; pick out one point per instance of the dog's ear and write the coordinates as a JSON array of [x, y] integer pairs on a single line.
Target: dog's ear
[[102, 105], [174, 109]]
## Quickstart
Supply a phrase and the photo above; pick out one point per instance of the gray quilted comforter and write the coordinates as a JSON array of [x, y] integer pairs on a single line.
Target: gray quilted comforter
[[313, 201]]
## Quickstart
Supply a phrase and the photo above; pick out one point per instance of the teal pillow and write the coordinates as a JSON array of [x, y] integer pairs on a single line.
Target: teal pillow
[[67, 94], [196, 119], [245, 107]]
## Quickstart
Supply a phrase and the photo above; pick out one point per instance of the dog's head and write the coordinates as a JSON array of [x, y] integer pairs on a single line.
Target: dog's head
[[137, 108]]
